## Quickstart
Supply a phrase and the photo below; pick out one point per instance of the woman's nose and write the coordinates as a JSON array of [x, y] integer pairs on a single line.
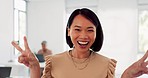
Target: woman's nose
[[84, 35]]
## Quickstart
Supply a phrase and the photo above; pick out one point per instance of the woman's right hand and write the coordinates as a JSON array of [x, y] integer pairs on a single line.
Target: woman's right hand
[[26, 57]]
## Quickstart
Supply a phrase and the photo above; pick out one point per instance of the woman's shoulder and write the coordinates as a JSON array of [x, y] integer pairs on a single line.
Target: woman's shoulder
[[59, 55], [100, 56], [56, 56], [104, 58], [108, 62]]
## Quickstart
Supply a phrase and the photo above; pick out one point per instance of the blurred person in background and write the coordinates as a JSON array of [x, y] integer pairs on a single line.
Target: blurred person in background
[[44, 50]]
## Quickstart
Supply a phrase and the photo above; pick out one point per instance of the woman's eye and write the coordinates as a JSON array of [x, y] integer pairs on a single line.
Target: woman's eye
[[77, 29], [90, 30]]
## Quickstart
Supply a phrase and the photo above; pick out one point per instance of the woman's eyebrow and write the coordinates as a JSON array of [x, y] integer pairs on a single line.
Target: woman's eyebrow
[[90, 27], [77, 26]]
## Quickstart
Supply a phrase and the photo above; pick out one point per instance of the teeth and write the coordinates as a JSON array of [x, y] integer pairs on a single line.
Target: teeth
[[80, 42]]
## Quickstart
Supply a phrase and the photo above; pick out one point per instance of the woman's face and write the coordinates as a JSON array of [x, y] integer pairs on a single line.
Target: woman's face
[[82, 33]]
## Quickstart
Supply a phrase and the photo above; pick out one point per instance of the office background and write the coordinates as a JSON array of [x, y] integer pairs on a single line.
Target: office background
[[46, 20]]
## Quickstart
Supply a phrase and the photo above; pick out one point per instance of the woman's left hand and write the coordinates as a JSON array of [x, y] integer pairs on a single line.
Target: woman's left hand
[[137, 69]]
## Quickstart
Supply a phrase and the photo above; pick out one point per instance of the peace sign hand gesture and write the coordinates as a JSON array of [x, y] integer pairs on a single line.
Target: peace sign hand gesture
[[26, 57], [137, 69]]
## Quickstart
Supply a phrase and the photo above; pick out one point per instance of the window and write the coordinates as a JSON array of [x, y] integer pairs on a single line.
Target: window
[[143, 25], [19, 22], [143, 30]]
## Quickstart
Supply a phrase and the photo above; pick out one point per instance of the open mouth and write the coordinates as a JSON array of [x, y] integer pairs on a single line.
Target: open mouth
[[83, 43]]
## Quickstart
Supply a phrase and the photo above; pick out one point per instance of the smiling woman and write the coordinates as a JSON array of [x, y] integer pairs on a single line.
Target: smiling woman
[[85, 36]]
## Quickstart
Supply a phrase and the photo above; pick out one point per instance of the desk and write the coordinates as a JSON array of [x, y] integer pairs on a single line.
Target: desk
[[16, 67], [42, 64]]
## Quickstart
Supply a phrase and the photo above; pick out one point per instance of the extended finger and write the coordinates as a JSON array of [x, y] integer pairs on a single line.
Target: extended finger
[[145, 56], [145, 63], [26, 43], [17, 46]]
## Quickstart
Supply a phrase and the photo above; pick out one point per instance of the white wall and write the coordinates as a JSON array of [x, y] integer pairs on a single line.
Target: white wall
[[119, 22], [6, 29], [45, 22]]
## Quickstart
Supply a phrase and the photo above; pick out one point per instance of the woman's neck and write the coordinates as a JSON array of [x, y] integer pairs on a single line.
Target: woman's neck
[[80, 54]]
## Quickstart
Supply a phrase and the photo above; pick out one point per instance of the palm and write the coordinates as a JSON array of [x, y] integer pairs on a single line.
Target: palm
[[140, 67], [26, 57], [138, 70]]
